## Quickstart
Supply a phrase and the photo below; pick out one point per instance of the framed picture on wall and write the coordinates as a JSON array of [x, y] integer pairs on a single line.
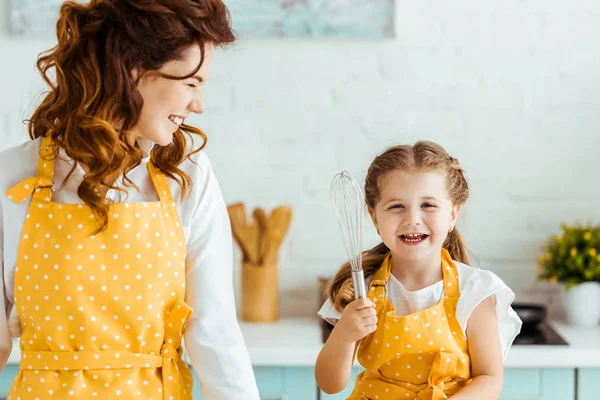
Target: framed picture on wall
[[253, 18], [318, 18], [34, 17]]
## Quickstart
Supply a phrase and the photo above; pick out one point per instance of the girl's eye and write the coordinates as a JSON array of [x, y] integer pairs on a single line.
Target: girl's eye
[[428, 205], [396, 206], [192, 85]]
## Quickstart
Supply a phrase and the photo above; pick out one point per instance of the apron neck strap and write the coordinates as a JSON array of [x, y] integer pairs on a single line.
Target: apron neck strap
[[45, 170], [379, 282], [46, 158], [160, 183], [450, 274]]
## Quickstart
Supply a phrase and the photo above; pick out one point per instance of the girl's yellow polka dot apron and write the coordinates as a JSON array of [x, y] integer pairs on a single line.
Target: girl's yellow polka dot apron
[[101, 314], [419, 356]]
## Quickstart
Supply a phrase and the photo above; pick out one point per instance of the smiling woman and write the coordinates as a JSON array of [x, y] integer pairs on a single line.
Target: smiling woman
[[114, 236]]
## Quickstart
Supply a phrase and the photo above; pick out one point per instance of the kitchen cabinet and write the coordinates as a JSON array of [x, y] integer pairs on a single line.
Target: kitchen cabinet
[[539, 384], [588, 384], [6, 378], [280, 383]]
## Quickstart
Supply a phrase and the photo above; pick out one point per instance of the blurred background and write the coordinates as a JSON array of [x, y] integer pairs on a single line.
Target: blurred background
[[509, 88]]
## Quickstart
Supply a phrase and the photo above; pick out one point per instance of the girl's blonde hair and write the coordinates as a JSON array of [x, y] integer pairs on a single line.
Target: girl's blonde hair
[[424, 156]]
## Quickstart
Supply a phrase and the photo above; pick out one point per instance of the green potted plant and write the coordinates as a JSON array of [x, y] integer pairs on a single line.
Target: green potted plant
[[573, 259]]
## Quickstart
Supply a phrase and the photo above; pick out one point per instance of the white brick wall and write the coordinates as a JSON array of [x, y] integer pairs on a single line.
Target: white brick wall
[[510, 88]]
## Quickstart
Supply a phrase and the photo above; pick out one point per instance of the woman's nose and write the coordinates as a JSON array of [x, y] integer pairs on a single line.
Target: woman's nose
[[197, 105]]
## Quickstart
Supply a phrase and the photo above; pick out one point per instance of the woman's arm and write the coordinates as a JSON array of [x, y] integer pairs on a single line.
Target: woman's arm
[[5, 339], [213, 337], [486, 354], [335, 360]]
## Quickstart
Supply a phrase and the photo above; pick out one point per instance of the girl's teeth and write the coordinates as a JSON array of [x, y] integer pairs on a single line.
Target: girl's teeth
[[413, 238]]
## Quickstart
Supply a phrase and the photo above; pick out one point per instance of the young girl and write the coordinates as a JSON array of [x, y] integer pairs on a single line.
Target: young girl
[[114, 236], [432, 327]]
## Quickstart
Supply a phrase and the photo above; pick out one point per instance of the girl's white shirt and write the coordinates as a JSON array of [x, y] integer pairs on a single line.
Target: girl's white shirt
[[475, 286]]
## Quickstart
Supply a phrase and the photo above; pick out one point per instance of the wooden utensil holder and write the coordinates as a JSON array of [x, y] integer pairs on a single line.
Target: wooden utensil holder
[[260, 292]]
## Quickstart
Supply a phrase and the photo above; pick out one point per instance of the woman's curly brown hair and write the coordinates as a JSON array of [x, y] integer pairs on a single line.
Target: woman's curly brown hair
[[100, 44]]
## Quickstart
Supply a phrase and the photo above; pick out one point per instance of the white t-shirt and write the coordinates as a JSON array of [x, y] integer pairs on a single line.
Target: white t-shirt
[[475, 286], [213, 337]]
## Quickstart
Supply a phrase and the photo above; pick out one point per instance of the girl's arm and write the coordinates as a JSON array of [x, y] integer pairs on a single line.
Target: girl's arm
[[334, 363], [335, 360], [486, 354]]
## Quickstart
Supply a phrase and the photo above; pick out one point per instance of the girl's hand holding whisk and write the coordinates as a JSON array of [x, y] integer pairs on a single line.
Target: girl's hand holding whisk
[[358, 319], [335, 360]]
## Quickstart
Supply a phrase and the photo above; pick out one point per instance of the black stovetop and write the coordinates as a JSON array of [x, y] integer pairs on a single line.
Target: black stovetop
[[543, 334]]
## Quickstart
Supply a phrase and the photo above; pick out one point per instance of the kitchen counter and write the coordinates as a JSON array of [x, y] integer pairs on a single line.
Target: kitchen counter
[[297, 342]]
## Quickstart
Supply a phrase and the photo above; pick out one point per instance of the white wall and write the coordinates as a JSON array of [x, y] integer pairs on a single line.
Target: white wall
[[509, 88]]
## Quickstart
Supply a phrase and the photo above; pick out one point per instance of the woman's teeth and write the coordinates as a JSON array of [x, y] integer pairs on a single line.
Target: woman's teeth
[[176, 120], [413, 237]]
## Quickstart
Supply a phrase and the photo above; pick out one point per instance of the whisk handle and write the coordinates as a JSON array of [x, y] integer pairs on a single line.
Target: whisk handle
[[358, 280]]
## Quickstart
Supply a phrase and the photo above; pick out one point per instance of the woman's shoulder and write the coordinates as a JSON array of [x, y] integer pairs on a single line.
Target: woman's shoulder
[[12, 154], [18, 163]]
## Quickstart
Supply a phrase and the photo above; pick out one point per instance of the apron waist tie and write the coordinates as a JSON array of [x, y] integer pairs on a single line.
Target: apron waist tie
[[438, 387], [87, 360], [444, 365], [177, 377]]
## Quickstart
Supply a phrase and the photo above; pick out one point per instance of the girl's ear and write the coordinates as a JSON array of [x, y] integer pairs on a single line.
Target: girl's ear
[[373, 215], [454, 216]]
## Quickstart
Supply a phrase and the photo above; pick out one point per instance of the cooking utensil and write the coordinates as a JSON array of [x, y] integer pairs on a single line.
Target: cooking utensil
[[348, 206], [278, 225], [246, 235], [261, 220]]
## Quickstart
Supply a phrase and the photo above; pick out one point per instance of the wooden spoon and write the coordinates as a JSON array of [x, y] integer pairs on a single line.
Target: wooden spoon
[[279, 223], [246, 235], [260, 219]]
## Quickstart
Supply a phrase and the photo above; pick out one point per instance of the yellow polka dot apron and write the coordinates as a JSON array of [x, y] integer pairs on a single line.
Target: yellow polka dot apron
[[102, 314], [418, 356]]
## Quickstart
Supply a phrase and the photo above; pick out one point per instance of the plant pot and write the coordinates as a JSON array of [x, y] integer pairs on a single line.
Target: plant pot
[[582, 304]]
